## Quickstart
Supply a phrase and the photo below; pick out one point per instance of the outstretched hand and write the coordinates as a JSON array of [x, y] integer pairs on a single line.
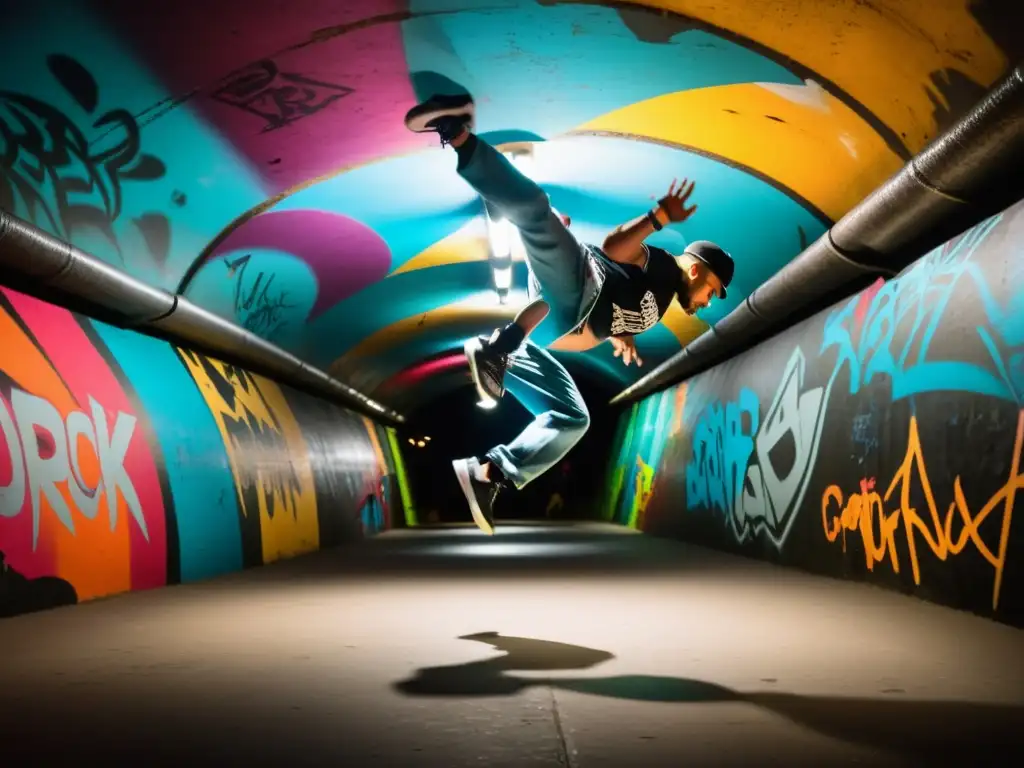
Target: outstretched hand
[[674, 203], [625, 347]]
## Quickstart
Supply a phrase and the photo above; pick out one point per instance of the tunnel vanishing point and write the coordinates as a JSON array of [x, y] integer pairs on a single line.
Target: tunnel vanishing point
[[231, 280]]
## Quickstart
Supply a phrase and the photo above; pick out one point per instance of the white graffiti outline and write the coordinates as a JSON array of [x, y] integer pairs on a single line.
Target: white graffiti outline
[[771, 503], [763, 502], [40, 476]]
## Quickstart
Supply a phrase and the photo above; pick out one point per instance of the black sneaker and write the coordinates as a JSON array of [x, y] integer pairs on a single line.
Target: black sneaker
[[480, 493], [487, 368], [446, 116]]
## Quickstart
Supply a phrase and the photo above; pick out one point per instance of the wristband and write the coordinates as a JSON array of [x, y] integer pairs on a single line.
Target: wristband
[[652, 217]]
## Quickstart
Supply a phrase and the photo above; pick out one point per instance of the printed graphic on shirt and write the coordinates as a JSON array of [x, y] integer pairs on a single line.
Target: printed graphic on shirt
[[628, 321]]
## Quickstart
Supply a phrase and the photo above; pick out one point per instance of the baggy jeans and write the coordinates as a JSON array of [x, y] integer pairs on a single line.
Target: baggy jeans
[[563, 273]]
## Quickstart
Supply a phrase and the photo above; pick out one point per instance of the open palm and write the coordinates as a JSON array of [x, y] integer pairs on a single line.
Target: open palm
[[674, 203]]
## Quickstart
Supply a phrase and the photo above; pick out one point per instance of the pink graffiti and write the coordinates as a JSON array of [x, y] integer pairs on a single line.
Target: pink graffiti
[[331, 76], [344, 255], [864, 301]]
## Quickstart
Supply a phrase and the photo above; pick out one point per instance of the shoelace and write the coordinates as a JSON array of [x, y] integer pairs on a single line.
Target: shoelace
[[499, 486], [446, 138]]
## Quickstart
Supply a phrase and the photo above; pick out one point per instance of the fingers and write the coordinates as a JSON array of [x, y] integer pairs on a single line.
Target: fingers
[[681, 190], [626, 349], [620, 350]]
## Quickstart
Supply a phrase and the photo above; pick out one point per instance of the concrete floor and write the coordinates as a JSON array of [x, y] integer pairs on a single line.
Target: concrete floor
[[582, 646]]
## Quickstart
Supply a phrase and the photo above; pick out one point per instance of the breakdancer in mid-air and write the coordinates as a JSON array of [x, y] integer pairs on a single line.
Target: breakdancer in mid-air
[[587, 294]]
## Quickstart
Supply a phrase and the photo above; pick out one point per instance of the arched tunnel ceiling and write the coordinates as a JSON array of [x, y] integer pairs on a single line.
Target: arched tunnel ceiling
[[251, 153]]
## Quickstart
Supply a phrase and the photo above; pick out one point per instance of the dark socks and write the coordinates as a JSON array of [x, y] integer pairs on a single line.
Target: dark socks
[[509, 340], [496, 476]]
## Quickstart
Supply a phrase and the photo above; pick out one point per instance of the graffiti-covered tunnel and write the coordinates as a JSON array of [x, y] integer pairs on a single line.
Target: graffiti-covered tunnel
[[235, 294]]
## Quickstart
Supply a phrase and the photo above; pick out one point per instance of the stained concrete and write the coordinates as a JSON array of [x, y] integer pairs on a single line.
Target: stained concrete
[[583, 646]]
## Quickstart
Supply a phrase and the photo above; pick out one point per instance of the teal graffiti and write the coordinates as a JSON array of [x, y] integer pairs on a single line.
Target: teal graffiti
[[737, 467], [900, 325], [723, 443]]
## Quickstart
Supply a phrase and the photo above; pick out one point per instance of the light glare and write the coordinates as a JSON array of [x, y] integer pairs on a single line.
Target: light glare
[[503, 278]]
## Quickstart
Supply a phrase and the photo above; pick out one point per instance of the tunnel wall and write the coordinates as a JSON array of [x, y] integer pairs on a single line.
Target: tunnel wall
[[129, 463], [878, 441]]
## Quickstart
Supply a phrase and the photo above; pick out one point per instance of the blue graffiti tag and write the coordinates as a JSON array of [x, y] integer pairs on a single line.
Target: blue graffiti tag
[[901, 320], [722, 447]]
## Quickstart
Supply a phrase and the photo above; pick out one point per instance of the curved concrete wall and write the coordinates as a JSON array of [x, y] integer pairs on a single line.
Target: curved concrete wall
[[129, 463], [881, 440], [254, 152]]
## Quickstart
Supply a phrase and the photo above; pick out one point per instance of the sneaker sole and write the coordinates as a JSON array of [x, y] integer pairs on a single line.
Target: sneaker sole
[[471, 346], [466, 483], [417, 118]]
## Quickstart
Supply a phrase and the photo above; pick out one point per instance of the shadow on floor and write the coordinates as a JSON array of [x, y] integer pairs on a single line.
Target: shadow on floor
[[984, 734]]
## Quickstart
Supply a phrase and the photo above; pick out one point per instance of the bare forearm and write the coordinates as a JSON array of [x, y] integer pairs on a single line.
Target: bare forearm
[[625, 243]]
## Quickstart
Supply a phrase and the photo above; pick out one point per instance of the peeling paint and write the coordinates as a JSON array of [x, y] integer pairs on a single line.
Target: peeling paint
[[810, 94]]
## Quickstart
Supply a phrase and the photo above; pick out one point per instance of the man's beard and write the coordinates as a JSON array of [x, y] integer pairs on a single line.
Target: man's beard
[[687, 304]]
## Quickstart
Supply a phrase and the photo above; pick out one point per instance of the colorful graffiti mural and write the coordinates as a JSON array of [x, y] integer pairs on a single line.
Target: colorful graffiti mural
[[276, 499], [126, 463], [80, 492], [881, 439], [275, 150]]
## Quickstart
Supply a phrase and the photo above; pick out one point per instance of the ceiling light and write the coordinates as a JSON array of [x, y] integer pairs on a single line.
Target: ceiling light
[[523, 161], [500, 234], [503, 278]]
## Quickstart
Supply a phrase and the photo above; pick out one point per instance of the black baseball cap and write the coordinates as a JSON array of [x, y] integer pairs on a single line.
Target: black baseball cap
[[714, 258]]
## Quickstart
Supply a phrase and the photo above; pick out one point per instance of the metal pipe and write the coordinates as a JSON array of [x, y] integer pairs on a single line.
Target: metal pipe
[[971, 171], [46, 263]]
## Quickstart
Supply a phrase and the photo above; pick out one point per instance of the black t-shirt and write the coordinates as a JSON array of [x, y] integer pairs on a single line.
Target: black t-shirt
[[633, 299]]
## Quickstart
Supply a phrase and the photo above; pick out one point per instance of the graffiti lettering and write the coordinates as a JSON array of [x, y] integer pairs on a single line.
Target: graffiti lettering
[[50, 455], [723, 442], [892, 330], [280, 98], [256, 308], [757, 474], [51, 173], [264, 487], [865, 513], [787, 446]]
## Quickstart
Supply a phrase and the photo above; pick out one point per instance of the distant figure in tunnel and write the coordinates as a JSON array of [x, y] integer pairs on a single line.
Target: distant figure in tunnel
[[587, 294]]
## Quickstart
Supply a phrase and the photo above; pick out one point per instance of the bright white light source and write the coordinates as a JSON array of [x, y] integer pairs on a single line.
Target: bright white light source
[[523, 162], [500, 233], [503, 278], [487, 405]]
